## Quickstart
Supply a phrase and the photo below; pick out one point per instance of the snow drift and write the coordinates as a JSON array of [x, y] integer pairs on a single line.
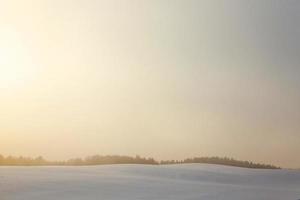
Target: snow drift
[[143, 182]]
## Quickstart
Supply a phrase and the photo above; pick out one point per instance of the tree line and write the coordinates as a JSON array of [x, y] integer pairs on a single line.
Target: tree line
[[90, 160], [222, 161], [117, 159]]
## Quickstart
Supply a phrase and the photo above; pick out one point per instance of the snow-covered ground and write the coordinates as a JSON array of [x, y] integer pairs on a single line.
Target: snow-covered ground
[[141, 182]]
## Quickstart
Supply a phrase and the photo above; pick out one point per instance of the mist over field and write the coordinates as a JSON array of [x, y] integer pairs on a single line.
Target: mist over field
[[207, 92]]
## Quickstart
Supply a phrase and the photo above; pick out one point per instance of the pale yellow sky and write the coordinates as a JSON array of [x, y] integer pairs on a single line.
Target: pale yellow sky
[[167, 79]]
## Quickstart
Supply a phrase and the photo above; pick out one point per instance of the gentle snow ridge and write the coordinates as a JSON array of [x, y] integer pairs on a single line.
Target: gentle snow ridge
[[145, 182]]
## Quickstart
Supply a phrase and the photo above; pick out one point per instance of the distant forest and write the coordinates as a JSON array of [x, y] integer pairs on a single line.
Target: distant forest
[[116, 159]]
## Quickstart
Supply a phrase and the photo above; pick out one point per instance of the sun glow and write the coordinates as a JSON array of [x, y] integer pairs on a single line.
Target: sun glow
[[16, 66]]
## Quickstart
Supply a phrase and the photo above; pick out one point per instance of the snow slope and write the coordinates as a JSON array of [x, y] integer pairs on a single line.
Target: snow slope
[[143, 182]]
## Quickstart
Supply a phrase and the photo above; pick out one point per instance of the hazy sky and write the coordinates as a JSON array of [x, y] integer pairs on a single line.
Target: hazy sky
[[167, 79]]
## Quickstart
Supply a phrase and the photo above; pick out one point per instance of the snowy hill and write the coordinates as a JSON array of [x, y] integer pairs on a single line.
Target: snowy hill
[[143, 182]]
